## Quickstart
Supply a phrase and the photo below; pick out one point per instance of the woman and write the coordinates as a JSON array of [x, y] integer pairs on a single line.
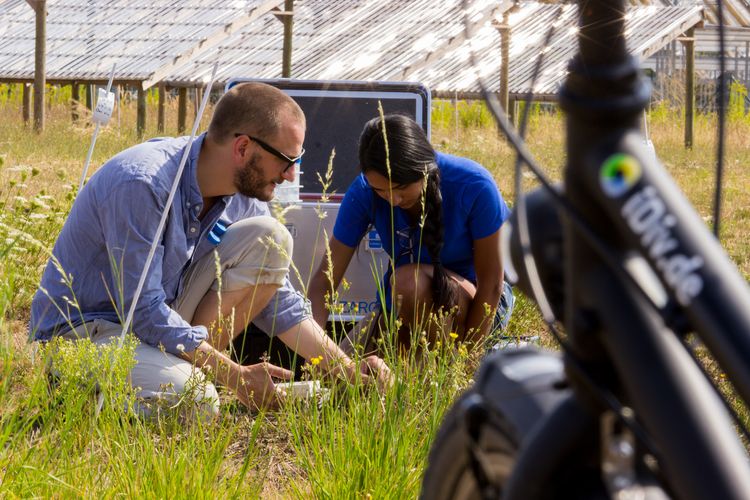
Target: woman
[[445, 213]]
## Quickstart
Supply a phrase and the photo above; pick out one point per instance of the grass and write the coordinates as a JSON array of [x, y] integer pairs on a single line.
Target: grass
[[359, 443]]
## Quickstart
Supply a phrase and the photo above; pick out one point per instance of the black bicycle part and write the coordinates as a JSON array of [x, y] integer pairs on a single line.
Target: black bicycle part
[[476, 446], [611, 326], [603, 97]]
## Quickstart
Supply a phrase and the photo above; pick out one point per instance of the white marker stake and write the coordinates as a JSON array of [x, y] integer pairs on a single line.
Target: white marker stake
[[102, 112], [162, 221]]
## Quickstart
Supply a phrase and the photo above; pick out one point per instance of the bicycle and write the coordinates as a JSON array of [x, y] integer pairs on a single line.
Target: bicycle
[[620, 257]]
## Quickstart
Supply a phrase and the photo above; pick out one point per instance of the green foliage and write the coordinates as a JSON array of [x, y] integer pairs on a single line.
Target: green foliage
[[467, 114], [737, 98], [54, 443]]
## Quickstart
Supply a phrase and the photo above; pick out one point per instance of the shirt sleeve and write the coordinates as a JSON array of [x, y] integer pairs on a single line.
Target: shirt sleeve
[[487, 209], [128, 234], [354, 216]]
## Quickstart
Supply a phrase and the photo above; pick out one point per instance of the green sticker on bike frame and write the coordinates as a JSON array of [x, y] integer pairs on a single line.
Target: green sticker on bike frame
[[618, 174]]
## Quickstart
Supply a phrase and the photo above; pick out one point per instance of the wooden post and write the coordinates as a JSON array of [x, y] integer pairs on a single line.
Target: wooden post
[[120, 99], [75, 98], [513, 105], [503, 30], [689, 42], [181, 109], [286, 58], [160, 114], [141, 115], [40, 55], [89, 96], [747, 76], [455, 114], [26, 103], [737, 62], [196, 101]]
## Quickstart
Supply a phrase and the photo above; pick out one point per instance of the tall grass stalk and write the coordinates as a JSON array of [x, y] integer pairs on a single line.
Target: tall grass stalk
[[358, 442]]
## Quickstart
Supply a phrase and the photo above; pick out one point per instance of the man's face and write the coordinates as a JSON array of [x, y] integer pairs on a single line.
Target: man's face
[[251, 180], [264, 170]]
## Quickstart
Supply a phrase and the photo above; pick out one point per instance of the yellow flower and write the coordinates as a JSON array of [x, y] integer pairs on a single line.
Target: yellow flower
[[453, 335], [316, 361]]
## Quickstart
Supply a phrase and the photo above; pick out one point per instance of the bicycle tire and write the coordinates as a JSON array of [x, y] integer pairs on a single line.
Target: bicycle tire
[[449, 474]]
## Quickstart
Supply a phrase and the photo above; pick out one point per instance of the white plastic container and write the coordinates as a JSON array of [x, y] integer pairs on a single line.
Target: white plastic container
[[304, 389], [288, 192]]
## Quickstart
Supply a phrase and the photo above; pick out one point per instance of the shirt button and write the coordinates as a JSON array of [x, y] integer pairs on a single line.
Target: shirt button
[[192, 230]]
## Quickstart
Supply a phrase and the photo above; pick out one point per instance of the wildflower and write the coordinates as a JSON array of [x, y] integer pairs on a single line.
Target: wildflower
[[453, 335], [180, 347], [316, 361]]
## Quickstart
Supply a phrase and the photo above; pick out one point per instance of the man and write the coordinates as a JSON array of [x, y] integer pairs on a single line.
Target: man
[[194, 300]]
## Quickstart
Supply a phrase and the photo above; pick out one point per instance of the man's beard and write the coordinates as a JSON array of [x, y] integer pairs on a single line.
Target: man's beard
[[249, 180]]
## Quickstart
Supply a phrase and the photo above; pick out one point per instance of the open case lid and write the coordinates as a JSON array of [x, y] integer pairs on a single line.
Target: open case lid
[[336, 112]]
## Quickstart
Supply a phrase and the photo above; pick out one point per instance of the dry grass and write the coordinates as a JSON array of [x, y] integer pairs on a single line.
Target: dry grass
[[277, 471]]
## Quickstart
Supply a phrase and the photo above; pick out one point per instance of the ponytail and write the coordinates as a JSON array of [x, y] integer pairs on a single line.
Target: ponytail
[[443, 288], [411, 159]]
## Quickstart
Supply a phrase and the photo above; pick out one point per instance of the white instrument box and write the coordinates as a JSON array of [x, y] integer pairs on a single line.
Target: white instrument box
[[336, 112]]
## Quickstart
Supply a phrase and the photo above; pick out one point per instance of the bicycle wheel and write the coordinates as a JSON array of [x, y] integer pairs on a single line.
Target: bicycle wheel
[[450, 473]]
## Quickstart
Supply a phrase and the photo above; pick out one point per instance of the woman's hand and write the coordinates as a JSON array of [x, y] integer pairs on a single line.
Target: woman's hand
[[375, 370]]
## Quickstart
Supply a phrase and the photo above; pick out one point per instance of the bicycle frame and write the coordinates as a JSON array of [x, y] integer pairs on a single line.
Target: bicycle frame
[[625, 339]]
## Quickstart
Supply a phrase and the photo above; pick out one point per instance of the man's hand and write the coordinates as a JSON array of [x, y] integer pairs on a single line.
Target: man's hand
[[253, 384], [374, 369], [255, 388]]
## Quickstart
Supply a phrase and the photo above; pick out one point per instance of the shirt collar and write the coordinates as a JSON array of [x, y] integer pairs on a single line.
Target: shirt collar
[[190, 176]]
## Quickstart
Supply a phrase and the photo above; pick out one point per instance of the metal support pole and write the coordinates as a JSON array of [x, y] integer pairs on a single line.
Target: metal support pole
[[689, 87], [141, 117], [286, 62], [40, 55]]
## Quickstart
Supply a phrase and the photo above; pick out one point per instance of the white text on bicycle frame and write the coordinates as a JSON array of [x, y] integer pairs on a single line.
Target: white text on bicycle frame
[[647, 216]]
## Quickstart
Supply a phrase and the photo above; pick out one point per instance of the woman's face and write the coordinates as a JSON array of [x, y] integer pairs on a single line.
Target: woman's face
[[404, 196]]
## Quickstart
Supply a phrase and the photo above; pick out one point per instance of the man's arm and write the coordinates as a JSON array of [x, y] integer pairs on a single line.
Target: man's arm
[[253, 384], [129, 222]]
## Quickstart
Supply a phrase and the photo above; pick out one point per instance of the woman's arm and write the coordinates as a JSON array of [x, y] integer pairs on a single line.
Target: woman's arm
[[327, 279], [488, 264]]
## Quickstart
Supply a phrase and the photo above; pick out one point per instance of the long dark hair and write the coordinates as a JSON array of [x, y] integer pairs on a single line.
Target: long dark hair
[[411, 159]]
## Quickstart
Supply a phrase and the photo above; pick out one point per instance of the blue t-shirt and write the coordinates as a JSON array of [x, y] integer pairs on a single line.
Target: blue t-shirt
[[473, 208]]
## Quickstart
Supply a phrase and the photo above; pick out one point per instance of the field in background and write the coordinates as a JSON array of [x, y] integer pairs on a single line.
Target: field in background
[[357, 444]]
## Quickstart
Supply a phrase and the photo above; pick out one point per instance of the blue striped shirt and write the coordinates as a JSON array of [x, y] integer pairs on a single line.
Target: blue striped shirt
[[102, 249]]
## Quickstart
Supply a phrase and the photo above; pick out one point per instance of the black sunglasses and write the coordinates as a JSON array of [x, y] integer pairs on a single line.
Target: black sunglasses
[[278, 154]]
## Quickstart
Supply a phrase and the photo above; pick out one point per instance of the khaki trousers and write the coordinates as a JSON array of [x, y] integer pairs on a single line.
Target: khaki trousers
[[253, 251]]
